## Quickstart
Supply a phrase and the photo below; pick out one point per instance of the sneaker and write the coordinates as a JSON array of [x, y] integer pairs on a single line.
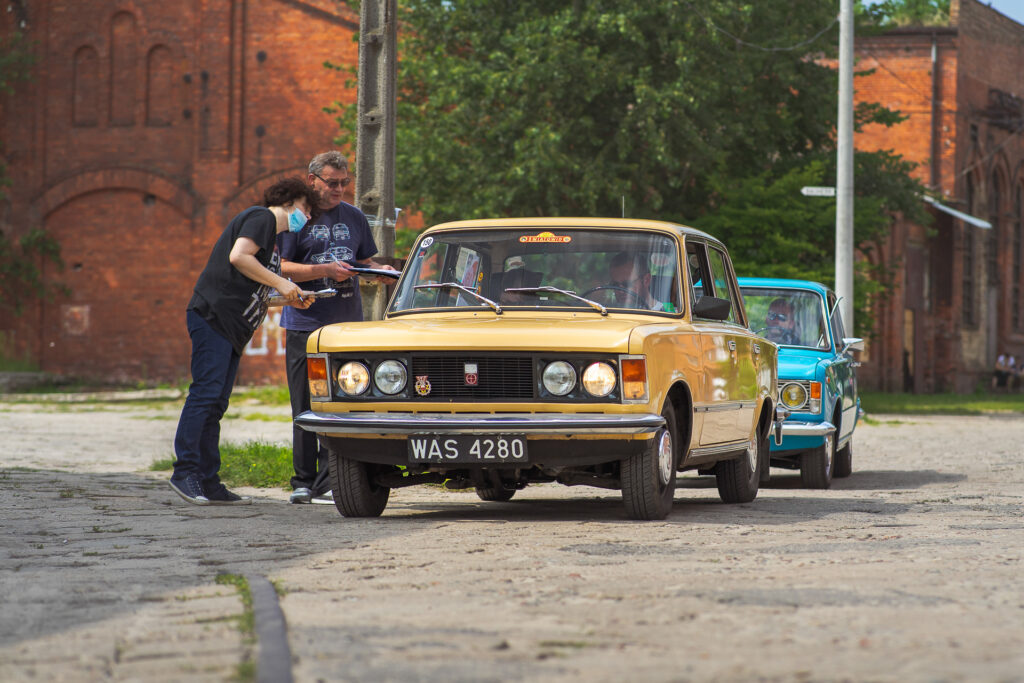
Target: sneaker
[[191, 489], [324, 498], [221, 496], [300, 495]]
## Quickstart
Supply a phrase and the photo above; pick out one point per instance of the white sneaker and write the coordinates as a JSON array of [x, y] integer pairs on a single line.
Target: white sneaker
[[324, 498]]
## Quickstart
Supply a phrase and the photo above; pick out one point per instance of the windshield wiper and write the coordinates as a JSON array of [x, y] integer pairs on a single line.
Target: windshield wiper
[[462, 288], [546, 288]]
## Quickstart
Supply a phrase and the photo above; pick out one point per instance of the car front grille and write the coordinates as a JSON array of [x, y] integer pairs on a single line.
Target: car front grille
[[499, 377]]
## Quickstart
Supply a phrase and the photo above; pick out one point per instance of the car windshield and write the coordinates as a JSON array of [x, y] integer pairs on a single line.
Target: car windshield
[[788, 317], [613, 269]]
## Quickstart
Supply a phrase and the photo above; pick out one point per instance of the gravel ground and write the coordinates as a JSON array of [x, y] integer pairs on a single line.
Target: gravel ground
[[910, 570]]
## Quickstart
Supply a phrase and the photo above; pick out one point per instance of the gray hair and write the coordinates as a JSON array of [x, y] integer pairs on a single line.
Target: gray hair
[[334, 159]]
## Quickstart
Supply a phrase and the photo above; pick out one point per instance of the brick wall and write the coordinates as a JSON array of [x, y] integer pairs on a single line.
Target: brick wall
[[146, 127]]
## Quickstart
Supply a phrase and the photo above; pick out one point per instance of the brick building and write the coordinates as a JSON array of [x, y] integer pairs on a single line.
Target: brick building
[[146, 126], [956, 301]]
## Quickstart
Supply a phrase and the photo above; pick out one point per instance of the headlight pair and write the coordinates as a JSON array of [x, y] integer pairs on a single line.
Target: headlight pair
[[390, 377], [559, 378]]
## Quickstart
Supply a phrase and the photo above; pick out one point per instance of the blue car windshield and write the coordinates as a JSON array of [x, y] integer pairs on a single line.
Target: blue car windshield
[[788, 317], [618, 269]]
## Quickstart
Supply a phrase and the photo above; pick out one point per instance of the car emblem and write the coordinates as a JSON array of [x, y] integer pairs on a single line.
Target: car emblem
[[471, 375], [422, 385]]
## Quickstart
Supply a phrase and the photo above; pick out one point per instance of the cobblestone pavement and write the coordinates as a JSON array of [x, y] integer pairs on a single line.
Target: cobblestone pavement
[[908, 570]]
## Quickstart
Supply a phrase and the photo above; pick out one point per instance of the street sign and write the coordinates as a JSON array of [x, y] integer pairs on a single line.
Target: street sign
[[813, 191]]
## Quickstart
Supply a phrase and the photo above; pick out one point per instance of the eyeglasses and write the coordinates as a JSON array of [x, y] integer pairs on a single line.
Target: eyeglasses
[[334, 184], [781, 317]]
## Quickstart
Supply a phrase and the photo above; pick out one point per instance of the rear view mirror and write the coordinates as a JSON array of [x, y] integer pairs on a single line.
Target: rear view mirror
[[712, 307]]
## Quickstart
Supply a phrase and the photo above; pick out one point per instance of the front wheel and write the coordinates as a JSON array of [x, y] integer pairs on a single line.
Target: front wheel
[[816, 466], [355, 493], [649, 478], [739, 479], [844, 461]]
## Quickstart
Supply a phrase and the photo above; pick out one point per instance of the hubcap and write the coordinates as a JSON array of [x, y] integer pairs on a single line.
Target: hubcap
[[752, 454], [665, 456], [829, 452]]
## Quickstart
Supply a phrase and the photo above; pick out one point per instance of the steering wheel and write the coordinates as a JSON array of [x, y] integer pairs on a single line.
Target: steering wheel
[[616, 288]]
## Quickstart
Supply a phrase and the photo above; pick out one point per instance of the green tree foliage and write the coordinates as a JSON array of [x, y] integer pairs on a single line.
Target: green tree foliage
[[711, 113], [888, 13]]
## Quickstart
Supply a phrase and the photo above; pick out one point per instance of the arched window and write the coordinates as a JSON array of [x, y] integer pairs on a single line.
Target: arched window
[[968, 307], [992, 238], [122, 69], [160, 103], [1017, 246], [85, 96]]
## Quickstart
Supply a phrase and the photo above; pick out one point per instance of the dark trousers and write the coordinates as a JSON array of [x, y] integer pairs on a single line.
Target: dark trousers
[[197, 441], [309, 458]]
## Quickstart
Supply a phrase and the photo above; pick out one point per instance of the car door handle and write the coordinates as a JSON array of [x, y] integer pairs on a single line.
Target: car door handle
[[732, 346], [757, 348]]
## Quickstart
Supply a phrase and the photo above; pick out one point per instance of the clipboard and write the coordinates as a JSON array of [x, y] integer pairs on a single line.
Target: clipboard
[[374, 271], [278, 300]]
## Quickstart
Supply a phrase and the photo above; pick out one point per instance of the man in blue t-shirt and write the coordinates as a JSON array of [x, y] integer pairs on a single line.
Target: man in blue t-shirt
[[316, 258]]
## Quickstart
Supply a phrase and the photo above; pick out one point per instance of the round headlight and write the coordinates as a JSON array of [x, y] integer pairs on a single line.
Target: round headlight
[[599, 379], [794, 396], [353, 378], [559, 378], [390, 377]]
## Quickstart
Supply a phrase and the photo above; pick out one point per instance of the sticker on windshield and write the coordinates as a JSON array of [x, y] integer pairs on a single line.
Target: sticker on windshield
[[427, 241], [548, 237]]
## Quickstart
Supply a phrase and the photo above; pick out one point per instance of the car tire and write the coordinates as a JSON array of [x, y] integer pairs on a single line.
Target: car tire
[[355, 493], [739, 479], [648, 479], [816, 466], [495, 493], [844, 461]]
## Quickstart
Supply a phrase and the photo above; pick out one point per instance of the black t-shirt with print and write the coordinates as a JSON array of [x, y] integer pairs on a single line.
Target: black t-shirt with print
[[233, 304]]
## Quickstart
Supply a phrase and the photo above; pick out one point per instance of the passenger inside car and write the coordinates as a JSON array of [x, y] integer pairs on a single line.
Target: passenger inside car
[[780, 323]]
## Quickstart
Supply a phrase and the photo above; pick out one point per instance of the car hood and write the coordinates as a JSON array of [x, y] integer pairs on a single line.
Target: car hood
[[799, 365], [482, 332]]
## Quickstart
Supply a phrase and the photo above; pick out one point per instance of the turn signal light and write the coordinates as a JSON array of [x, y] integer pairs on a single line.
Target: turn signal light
[[634, 379], [319, 386]]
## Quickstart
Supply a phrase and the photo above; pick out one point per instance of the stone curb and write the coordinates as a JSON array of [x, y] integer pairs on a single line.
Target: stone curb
[[275, 657]]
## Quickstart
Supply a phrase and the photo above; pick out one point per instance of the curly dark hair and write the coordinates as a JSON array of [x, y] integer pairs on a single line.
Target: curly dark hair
[[288, 190]]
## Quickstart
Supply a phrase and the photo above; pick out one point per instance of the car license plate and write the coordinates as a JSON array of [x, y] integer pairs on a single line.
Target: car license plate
[[492, 449]]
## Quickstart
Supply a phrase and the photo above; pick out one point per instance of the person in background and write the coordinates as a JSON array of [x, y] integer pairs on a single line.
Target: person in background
[[318, 257], [1002, 372], [228, 303], [781, 322]]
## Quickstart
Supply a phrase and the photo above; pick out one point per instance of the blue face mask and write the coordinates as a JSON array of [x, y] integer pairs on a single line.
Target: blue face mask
[[296, 220]]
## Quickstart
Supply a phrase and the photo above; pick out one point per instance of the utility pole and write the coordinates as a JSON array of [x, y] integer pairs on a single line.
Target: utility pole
[[375, 136], [844, 167]]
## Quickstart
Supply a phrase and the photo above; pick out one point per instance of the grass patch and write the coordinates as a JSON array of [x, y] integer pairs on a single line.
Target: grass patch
[[246, 621], [258, 417], [942, 404], [269, 394], [253, 463]]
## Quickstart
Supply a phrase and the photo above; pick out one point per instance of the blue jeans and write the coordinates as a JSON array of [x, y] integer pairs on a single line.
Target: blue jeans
[[214, 365]]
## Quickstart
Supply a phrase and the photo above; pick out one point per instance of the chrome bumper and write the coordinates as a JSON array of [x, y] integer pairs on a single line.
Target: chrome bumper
[[792, 428], [498, 423]]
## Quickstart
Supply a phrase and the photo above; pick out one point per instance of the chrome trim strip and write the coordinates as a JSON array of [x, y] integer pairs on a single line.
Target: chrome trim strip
[[723, 407], [490, 423], [720, 448], [793, 428]]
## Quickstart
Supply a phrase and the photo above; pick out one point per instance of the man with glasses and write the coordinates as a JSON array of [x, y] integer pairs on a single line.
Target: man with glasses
[[780, 323], [630, 282], [318, 257]]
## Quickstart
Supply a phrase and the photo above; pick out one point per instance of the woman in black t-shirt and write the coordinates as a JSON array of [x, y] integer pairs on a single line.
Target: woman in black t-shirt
[[228, 303]]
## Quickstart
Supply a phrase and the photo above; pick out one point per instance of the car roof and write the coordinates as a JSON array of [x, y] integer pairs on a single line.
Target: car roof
[[577, 222], [783, 283]]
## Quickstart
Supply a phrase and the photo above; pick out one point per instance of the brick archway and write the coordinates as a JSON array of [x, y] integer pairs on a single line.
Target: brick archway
[[164, 189]]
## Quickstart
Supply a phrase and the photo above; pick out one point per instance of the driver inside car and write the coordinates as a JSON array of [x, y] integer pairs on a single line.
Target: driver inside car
[[629, 278], [780, 323]]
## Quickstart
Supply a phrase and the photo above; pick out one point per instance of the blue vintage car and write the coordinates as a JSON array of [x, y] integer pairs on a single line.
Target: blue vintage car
[[817, 376]]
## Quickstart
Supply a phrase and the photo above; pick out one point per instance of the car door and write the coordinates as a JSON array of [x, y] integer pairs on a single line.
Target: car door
[[846, 377], [740, 341], [717, 400]]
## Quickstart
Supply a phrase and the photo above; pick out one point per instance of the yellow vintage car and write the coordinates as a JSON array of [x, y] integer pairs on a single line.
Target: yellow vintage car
[[584, 351]]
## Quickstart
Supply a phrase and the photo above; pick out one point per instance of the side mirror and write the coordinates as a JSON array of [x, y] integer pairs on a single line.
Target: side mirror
[[852, 344], [712, 307]]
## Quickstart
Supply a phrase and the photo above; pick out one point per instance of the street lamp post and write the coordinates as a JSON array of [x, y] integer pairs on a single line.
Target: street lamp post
[[844, 167]]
